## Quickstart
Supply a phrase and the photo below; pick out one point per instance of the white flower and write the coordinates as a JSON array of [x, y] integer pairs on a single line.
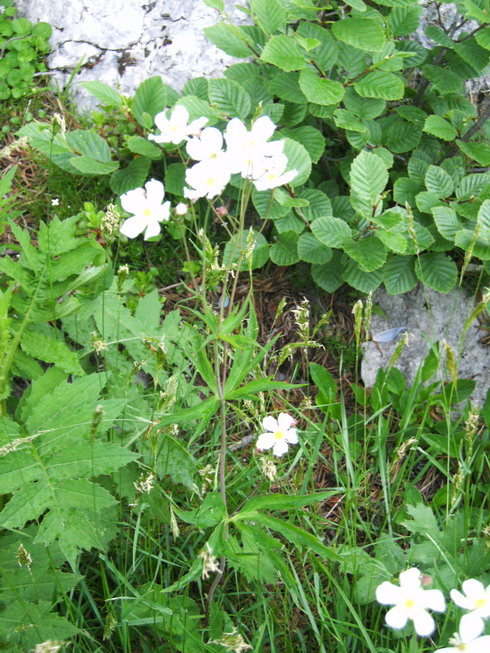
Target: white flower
[[274, 175], [477, 598], [468, 639], [248, 149], [411, 601], [279, 434], [148, 211], [175, 129], [207, 179], [208, 145], [209, 561], [181, 208], [55, 202]]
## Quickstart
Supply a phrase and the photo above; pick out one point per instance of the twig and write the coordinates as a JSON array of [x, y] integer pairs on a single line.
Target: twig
[[484, 115]]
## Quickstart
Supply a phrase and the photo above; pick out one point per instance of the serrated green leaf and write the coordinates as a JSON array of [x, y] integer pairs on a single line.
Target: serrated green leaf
[[311, 138], [318, 89], [48, 350], [347, 120], [91, 167], [298, 159], [480, 152], [103, 93], [479, 245], [362, 33], [270, 14], [132, 176], [198, 87], [229, 38], [439, 127], [477, 9], [483, 38], [363, 107], [283, 52], [368, 176], [380, 84], [318, 204], [143, 146], [402, 136], [392, 241], [150, 98], [370, 253], [29, 624], [326, 53], [327, 275], [483, 219], [438, 181], [230, 98], [399, 275], [439, 36], [358, 278], [472, 185], [331, 231], [416, 169], [445, 81], [311, 250], [197, 107], [446, 221], [385, 155], [437, 271], [426, 201], [285, 250], [404, 20], [236, 245], [286, 86]]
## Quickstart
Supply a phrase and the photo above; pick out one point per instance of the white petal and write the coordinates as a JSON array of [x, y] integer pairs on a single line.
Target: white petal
[[460, 600], [263, 128], [266, 441], [396, 617], [180, 116], [155, 191], [473, 587], [153, 229], [192, 194], [235, 132], [423, 622], [447, 649], [291, 436], [132, 227], [388, 594], [470, 627], [284, 421], [195, 149], [196, 125], [133, 200], [161, 120], [212, 139], [434, 600], [280, 447], [270, 423], [165, 212], [410, 579], [480, 645]]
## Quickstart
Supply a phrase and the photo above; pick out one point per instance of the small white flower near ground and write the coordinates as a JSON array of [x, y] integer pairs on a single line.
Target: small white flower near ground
[[181, 208], [278, 434], [176, 128], [55, 202], [476, 598], [468, 638], [411, 602], [148, 211]]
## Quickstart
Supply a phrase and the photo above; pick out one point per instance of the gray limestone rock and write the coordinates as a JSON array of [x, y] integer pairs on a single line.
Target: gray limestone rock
[[429, 318], [124, 42]]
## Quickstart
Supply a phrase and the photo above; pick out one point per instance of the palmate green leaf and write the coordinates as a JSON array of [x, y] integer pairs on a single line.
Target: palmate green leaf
[[331, 231], [370, 253], [270, 14], [230, 98], [368, 176], [311, 250], [437, 271], [285, 250], [150, 98], [358, 278], [438, 181], [399, 274], [362, 33], [283, 52], [29, 624], [479, 152], [439, 127], [326, 53], [446, 221], [318, 89], [380, 84]]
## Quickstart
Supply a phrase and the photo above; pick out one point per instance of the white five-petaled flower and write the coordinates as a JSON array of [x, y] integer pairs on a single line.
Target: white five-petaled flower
[[176, 128], [279, 434], [274, 174], [468, 638], [208, 145], [55, 202], [410, 601], [207, 179], [475, 598], [148, 211], [248, 149]]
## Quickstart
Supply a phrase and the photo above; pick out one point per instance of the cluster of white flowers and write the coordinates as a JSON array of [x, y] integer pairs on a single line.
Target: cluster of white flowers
[[248, 153], [411, 601]]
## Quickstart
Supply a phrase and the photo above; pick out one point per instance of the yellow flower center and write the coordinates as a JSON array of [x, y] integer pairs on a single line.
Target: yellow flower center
[[210, 182], [480, 603], [409, 603], [279, 435], [147, 213]]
